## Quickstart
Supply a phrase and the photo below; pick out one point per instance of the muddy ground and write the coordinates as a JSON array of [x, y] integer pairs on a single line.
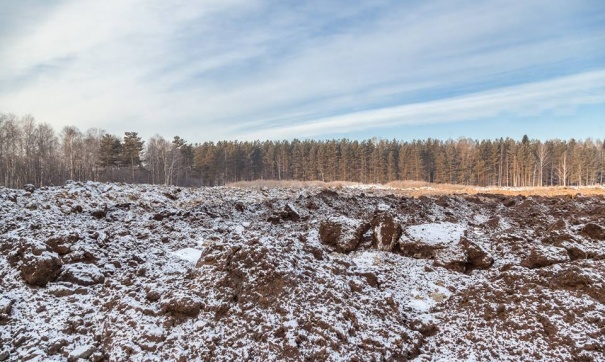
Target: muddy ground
[[115, 272]]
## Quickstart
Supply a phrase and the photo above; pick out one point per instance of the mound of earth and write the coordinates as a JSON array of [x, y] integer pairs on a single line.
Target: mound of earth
[[115, 272]]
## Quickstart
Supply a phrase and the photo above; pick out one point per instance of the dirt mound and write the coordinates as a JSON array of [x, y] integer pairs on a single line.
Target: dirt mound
[[477, 257], [386, 232], [343, 233], [594, 231], [38, 265], [114, 272], [545, 314], [541, 256], [309, 307]]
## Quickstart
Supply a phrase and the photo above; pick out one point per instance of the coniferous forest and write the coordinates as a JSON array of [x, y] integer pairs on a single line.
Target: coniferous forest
[[34, 153]]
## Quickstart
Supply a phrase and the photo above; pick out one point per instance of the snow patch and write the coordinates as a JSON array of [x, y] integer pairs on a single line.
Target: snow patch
[[383, 207], [436, 233], [365, 258], [420, 304], [190, 254]]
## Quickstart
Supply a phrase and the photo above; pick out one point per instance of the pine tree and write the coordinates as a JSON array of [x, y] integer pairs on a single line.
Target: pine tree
[[131, 151], [109, 153]]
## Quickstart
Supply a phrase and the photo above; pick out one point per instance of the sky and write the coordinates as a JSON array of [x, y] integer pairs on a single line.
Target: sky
[[210, 70]]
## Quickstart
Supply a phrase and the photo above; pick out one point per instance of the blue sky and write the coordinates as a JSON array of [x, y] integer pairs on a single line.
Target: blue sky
[[268, 69]]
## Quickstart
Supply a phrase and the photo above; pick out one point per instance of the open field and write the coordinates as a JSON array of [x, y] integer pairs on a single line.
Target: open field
[[419, 188], [307, 272]]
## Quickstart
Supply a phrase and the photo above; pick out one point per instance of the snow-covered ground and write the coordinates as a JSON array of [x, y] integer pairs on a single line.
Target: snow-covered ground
[[115, 272]]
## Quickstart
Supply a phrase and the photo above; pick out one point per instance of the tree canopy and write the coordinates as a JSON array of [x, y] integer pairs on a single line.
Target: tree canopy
[[32, 152]]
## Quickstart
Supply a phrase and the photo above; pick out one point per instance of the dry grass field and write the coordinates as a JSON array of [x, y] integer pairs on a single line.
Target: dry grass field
[[420, 188]]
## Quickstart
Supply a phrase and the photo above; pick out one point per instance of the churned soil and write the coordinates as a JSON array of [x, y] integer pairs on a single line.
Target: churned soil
[[116, 272]]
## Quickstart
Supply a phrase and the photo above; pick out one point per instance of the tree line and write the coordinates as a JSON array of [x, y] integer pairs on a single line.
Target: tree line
[[33, 153]]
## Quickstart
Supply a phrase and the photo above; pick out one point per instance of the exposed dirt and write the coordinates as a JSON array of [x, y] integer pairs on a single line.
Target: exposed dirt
[[113, 272]]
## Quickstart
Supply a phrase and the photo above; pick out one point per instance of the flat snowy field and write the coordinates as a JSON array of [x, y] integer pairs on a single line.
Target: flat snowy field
[[115, 272]]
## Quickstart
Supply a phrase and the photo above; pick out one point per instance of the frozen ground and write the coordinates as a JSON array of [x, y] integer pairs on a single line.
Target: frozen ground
[[114, 272]]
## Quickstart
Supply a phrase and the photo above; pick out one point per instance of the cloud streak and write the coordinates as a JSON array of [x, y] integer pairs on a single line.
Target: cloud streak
[[561, 94]]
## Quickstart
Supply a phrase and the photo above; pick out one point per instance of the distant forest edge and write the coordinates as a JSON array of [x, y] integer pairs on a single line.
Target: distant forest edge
[[33, 153]]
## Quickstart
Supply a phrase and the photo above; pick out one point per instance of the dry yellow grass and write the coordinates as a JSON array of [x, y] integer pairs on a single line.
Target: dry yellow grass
[[548, 191], [406, 184], [290, 184], [420, 188], [449, 189]]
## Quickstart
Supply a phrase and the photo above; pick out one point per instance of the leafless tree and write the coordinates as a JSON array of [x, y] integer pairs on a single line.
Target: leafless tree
[[71, 147], [542, 154]]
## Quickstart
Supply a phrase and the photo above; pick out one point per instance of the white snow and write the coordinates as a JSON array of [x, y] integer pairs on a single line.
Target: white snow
[[190, 254], [383, 207], [293, 208], [146, 262], [366, 258], [81, 352], [84, 273], [420, 304], [292, 323], [436, 233]]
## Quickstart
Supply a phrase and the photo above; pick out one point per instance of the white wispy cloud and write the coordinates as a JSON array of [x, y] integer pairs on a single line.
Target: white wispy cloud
[[561, 94], [216, 69]]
